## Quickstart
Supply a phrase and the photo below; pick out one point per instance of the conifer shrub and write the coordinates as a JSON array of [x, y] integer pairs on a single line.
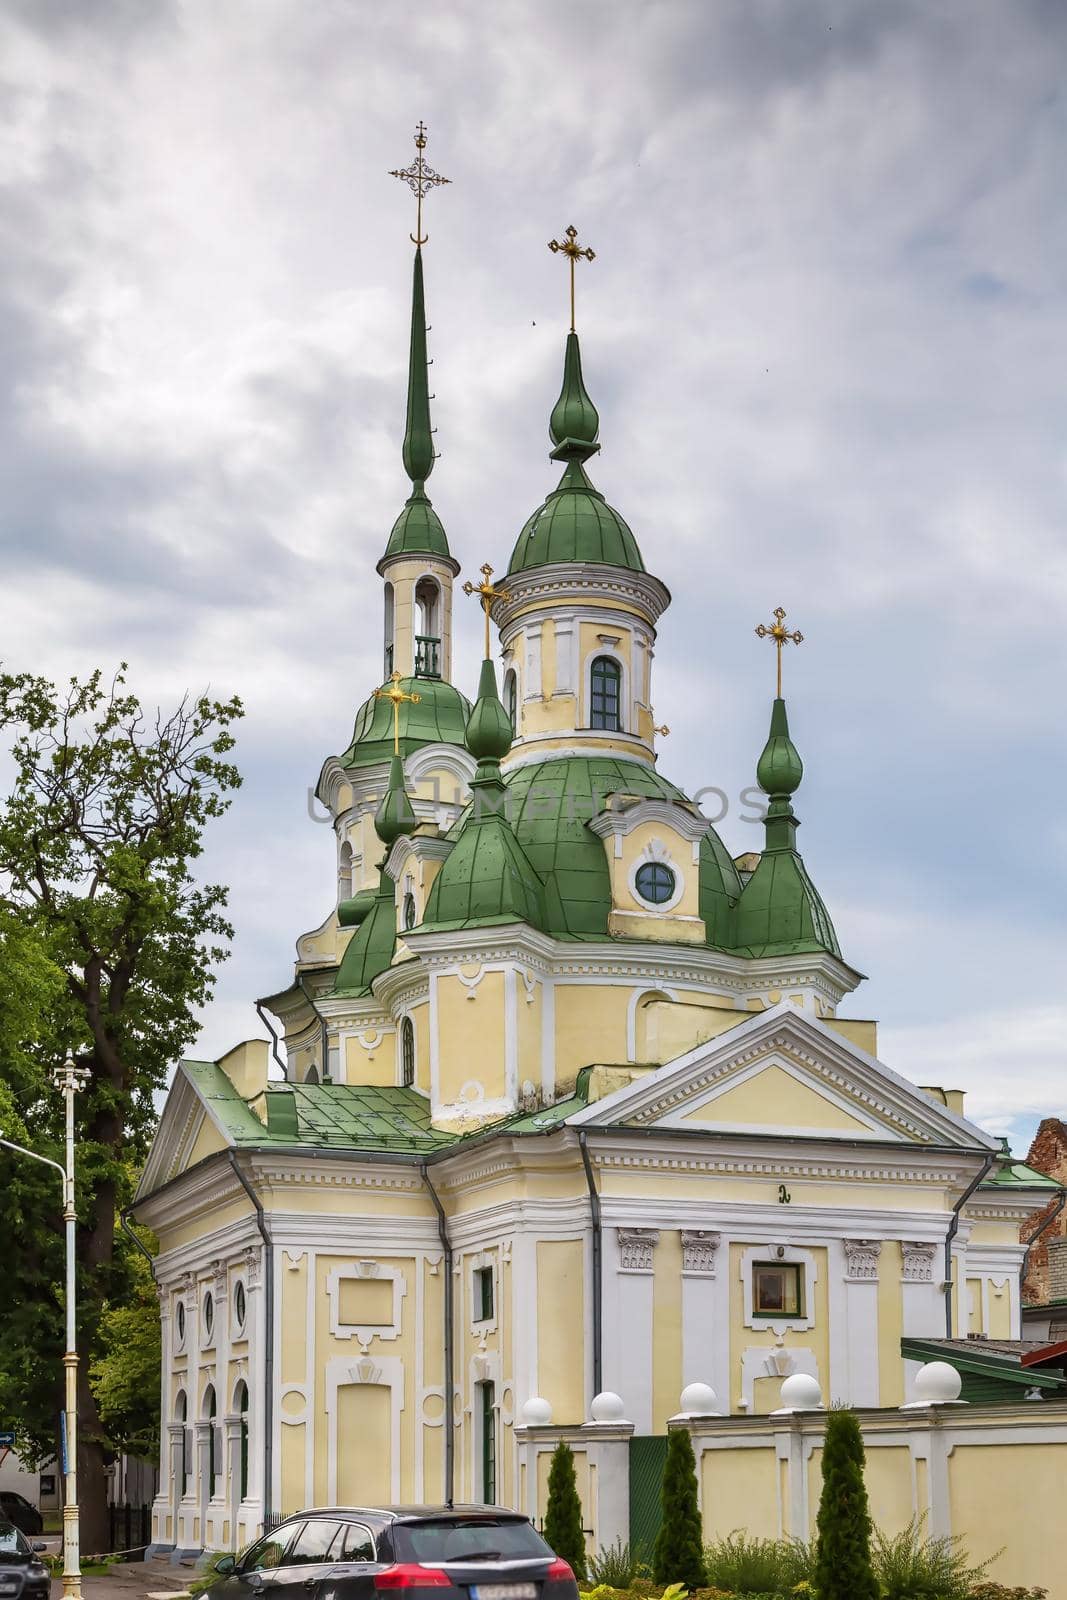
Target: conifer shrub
[[679, 1552], [843, 1569], [563, 1514]]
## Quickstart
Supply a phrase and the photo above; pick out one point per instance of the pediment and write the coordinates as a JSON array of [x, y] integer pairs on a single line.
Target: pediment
[[188, 1133], [783, 1073]]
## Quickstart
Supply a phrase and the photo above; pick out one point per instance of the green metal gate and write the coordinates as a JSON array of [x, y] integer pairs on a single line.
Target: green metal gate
[[648, 1456]]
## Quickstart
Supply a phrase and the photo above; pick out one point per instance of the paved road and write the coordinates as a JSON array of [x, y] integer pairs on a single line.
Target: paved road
[[134, 1580]]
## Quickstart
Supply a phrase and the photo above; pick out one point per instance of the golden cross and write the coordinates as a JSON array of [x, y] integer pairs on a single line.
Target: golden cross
[[663, 731], [420, 178], [488, 593], [574, 253], [396, 694], [781, 636]]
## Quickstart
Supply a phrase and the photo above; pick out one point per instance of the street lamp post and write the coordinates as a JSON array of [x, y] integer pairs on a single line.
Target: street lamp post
[[68, 1079]]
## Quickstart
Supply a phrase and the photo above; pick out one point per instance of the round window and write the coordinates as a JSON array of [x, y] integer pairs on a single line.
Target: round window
[[409, 911], [654, 882], [240, 1304], [179, 1321], [209, 1314]]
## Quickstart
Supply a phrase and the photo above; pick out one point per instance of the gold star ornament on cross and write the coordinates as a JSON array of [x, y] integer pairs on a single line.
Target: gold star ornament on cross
[[420, 178], [781, 636], [487, 592], [574, 253], [396, 694]]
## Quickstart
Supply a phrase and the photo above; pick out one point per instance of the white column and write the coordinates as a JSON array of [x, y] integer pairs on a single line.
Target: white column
[[705, 1315], [628, 1290], [531, 686], [608, 1452], [160, 1503], [565, 679], [922, 1298], [861, 1324], [232, 1473], [204, 1427], [257, 1379], [176, 1434]]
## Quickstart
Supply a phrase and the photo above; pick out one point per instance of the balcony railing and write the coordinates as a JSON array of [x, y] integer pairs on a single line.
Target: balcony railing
[[427, 656]]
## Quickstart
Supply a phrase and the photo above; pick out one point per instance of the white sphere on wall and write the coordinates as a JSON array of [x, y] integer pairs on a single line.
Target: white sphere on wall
[[607, 1407], [937, 1383], [801, 1392], [698, 1400], [537, 1412]]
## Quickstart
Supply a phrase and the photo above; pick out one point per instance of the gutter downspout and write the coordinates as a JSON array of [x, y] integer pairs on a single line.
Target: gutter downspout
[[324, 1040], [598, 1271], [268, 1338], [449, 1317], [124, 1220], [953, 1227], [1034, 1237], [262, 1015]]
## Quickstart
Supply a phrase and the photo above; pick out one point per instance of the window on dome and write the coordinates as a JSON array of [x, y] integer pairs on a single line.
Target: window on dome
[[410, 911], [407, 1053], [511, 697], [605, 681], [428, 638], [654, 882]]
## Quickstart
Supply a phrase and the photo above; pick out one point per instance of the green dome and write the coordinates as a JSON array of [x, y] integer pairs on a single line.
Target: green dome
[[417, 531], [350, 913], [576, 524], [489, 731], [371, 947], [779, 769], [394, 815], [439, 717]]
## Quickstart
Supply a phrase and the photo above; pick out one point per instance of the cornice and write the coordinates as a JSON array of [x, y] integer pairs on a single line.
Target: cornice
[[423, 846], [679, 816], [546, 746], [548, 584]]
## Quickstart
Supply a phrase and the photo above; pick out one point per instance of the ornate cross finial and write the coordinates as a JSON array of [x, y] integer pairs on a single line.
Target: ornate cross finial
[[781, 636], [487, 593], [574, 253], [420, 178], [396, 694]]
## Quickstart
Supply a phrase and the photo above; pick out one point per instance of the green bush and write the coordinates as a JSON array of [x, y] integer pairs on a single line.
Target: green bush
[[679, 1552], [563, 1514], [998, 1591], [617, 1565], [843, 1569], [910, 1566]]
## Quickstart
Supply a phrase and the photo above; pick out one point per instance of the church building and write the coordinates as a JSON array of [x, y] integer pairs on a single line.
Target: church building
[[567, 1103]]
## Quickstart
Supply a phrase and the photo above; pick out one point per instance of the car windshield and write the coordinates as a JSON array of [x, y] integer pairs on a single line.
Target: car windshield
[[12, 1545], [478, 1539]]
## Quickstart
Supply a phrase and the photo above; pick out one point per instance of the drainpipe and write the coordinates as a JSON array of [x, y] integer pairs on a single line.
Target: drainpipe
[[598, 1284], [449, 1313], [262, 1015], [324, 1042], [953, 1227], [124, 1219], [268, 1338], [1034, 1237]]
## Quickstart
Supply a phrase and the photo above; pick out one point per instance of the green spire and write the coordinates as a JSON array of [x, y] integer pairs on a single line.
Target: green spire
[[418, 529], [487, 878], [780, 911], [574, 423], [394, 815]]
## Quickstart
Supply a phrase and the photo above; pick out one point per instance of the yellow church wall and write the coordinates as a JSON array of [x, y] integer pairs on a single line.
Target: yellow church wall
[[889, 1487], [890, 1324], [548, 716], [993, 1231], [666, 1328], [372, 1059], [739, 1490], [207, 1143], [857, 1030], [529, 1006], [590, 1026], [560, 1309], [293, 1455], [468, 1018], [634, 848], [1007, 1501], [667, 1029], [218, 1217], [340, 1201], [774, 1098], [293, 1276]]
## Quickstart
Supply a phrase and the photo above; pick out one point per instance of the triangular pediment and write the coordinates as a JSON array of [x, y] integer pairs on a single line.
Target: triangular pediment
[[188, 1133], [783, 1073]]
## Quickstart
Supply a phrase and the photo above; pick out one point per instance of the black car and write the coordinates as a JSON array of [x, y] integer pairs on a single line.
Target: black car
[[360, 1553], [23, 1575], [17, 1509]]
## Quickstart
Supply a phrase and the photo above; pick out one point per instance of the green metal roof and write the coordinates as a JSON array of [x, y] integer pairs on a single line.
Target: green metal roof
[[991, 1369], [371, 948], [438, 717], [418, 530]]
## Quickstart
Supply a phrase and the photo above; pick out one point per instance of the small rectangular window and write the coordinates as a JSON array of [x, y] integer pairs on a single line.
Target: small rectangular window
[[358, 1546], [777, 1289], [483, 1294]]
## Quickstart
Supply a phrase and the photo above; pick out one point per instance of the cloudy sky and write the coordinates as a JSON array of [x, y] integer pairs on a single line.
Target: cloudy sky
[[827, 333]]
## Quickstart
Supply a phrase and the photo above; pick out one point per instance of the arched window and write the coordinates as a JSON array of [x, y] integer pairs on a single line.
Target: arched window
[[344, 872], [181, 1409], [241, 1407], [410, 911], [407, 1052], [604, 685], [388, 630], [212, 1446], [428, 624], [511, 697]]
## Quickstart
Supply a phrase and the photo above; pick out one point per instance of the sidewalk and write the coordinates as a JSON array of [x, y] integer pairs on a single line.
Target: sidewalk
[[133, 1580]]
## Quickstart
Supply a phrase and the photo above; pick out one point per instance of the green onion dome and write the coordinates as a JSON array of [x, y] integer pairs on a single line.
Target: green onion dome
[[438, 717]]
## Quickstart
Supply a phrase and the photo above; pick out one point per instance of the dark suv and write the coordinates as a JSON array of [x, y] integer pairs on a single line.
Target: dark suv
[[17, 1509], [350, 1553], [23, 1576]]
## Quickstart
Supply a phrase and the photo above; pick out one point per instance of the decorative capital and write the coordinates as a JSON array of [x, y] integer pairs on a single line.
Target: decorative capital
[[861, 1258], [699, 1250], [635, 1248], [918, 1257], [217, 1269], [252, 1266]]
